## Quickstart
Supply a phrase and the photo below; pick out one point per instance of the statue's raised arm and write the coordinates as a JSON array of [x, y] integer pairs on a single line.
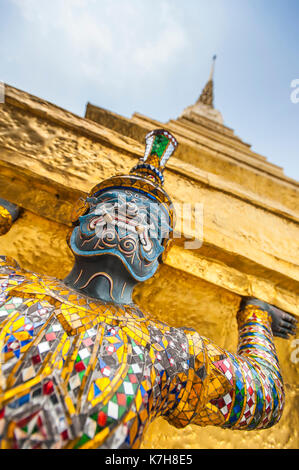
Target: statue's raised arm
[[237, 391]]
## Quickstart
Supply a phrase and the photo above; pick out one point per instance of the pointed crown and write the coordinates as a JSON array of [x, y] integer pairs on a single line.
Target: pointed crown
[[207, 94], [146, 177], [160, 145]]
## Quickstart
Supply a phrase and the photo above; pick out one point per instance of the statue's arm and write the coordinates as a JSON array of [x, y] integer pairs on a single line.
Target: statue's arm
[[238, 391]]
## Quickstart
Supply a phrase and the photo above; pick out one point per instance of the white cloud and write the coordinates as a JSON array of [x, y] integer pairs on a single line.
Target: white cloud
[[111, 40]]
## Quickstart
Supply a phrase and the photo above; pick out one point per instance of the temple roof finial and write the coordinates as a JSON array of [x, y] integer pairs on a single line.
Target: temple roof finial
[[204, 106], [207, 94]]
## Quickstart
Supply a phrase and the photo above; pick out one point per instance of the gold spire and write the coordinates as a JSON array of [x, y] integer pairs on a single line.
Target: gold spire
[[207, 94], [204, 106]]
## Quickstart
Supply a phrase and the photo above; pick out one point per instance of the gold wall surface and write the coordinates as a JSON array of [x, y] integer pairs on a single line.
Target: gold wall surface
[[49, 157]]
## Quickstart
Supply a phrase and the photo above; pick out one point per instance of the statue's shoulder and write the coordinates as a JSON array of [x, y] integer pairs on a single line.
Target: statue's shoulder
[[25, 292], [11, 276], [75, 311], [8, 265], [11, 271]]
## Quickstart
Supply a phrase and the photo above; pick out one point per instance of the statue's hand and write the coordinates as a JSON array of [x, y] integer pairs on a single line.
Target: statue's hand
[[283, 323]]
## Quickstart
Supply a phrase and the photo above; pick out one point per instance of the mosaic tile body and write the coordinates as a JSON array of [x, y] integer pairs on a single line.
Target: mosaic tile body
[[79, 373]]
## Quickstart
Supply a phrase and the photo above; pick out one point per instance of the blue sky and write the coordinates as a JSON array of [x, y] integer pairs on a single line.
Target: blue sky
[[153, 56]]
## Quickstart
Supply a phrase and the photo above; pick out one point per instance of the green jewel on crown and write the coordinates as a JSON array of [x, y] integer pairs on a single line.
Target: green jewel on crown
[[160, 145]]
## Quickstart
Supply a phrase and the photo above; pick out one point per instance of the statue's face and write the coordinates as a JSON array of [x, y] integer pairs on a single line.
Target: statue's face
[[127, 225]]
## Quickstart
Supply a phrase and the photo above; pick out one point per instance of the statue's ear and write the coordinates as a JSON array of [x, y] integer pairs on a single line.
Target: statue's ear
[[167, 246], [68, 236]]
